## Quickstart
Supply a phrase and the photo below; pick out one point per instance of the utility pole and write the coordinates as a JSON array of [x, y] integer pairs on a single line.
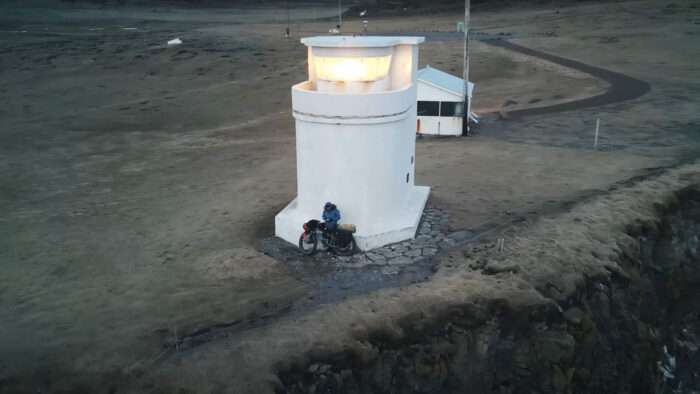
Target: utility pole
[[340, 17], [465, 109], [287, 33], [286, 6]]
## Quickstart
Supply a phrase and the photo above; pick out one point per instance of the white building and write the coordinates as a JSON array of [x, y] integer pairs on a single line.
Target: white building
[[440, 102], [355, 121]]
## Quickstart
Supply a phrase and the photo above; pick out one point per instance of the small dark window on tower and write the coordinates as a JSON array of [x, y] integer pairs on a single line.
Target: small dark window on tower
[[406, 177], [411, 159]]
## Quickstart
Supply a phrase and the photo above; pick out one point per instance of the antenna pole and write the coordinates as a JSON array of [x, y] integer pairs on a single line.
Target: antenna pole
[[466, 106], [287, 33], [340, 16]]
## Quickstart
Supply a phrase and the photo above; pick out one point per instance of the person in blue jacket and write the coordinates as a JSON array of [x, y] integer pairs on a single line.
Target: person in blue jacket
[[331, 216]]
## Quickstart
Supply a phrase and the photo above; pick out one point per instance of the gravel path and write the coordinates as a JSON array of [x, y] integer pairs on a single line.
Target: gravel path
[[622, 87]]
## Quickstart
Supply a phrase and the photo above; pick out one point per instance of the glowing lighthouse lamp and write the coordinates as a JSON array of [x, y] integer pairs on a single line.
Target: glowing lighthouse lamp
[[355, 138]]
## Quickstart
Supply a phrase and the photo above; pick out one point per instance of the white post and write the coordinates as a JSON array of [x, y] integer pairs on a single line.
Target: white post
[[439, 112], [177, 346], [597, 127], [465, 109]]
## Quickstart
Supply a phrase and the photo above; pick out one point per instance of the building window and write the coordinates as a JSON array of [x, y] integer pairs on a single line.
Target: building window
[[451, 108], [406, 177], [428, 108]]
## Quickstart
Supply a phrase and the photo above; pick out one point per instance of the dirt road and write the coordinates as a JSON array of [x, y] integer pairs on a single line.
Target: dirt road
[[622, 87]]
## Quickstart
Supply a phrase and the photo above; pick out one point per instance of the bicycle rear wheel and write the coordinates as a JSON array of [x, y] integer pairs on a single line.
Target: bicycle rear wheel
[[348, 249]]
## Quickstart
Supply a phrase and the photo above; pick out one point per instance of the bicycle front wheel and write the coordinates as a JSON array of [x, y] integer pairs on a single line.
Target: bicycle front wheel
[[308, 243]]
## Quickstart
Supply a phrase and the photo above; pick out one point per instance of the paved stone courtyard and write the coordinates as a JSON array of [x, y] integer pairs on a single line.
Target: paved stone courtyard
[[432, 237], [398, 264]]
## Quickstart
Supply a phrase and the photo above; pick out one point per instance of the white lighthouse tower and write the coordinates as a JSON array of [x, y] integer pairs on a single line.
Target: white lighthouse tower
[[355, 138]]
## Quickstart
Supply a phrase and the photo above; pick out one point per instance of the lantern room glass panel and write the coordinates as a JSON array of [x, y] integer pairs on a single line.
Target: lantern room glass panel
[[352, 69]]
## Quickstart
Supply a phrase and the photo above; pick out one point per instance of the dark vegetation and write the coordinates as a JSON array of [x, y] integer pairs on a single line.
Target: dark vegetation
[[628, 334], [354, 7], [207, 3], [219, 3], [418, 7]]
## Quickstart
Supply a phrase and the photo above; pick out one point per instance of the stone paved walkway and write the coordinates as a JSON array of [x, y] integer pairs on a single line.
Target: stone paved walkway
[[399, 264], [431, 238]]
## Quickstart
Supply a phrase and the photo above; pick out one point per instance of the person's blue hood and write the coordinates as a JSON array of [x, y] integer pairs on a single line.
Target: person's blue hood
[[331, 216]]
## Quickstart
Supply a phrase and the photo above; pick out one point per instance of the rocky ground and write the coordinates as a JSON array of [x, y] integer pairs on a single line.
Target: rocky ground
[[431, 238], [591, 300], [635, 331], [137, 180]]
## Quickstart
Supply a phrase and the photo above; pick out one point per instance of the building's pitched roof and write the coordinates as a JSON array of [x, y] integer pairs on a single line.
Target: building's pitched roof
[[444, 80]]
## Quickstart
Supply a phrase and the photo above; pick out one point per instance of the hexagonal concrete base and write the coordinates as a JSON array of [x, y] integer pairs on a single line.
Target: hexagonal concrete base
[[288, 223]]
